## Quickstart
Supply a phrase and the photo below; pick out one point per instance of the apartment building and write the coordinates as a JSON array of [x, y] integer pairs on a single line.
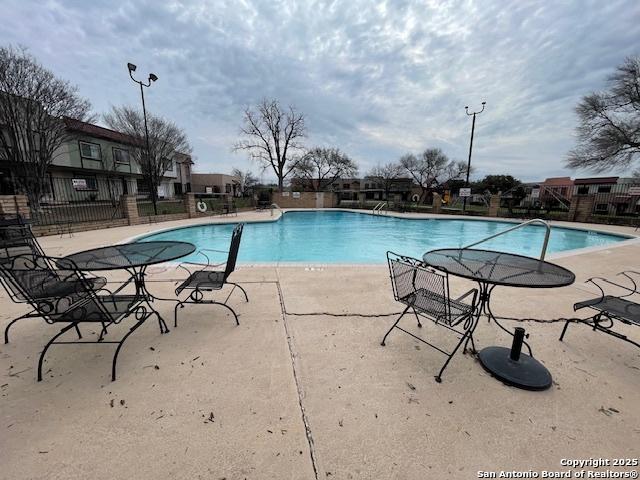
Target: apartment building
[[97, 164]]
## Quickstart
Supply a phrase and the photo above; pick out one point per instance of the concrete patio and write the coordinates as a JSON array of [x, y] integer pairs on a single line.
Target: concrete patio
[[302, 388]]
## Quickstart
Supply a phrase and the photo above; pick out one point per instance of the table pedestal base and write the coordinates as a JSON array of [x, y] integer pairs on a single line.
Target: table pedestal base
[[526, 372]]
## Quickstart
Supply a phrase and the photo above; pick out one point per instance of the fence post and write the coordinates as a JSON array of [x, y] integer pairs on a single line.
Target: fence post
[[15, 205], [581, 207], [437, 203], [190, 204], [494, 205], [130, 209]]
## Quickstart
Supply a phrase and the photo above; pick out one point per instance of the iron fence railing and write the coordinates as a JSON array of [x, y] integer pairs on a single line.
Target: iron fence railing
[[163, 207], [70, 200]]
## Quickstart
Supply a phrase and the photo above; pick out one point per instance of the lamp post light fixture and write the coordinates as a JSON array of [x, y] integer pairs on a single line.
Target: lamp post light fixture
[[473, 127], [152, 78]]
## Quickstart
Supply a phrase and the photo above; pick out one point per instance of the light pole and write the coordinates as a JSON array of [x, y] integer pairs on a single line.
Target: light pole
[[152, 78], [473, 127]]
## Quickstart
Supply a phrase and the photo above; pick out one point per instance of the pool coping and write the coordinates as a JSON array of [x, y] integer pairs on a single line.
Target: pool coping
[[631, 238]]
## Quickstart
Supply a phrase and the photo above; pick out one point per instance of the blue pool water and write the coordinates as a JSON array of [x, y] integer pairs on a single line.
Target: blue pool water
[[346, 237]]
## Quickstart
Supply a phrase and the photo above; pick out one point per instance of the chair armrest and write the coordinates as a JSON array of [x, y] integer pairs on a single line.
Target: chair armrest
[[577, 306], [202, 250], [213, 250], [474, 292], [630, 275]]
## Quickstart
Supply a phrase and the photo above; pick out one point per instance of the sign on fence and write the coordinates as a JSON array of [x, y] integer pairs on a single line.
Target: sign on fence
[[634, 190], [208, 189], [79, 183], [296, 194], [535, 193], [464, 192], [285, 194]]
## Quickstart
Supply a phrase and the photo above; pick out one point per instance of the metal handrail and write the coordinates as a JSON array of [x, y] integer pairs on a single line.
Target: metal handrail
[[379, 206], [520, 225]]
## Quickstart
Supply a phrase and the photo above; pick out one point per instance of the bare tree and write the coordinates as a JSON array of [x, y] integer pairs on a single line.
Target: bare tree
[[246, 180], [37, 111], [272, 137], [321, 167], [387, 175], [166, 140], [609, 129], [431, 169]]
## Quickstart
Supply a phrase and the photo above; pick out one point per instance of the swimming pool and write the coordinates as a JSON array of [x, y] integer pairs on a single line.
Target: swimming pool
[[349, 237]]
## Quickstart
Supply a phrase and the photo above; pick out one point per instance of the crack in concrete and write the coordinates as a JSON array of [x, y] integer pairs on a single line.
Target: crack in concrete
[[292, 354]]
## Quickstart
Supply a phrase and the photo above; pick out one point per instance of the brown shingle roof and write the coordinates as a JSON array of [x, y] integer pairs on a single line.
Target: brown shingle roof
[[558, 181], [596, 181], [100, 132]]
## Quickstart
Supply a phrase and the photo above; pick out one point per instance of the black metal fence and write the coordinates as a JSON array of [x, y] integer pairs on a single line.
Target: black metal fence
[[68, 200], [617, 203], [164, 207]]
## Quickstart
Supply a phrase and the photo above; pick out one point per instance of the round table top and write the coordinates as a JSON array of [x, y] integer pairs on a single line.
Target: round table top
[[130, 255], [499, 268]]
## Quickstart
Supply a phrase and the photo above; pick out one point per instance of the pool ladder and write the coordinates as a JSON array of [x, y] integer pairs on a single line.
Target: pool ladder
[[378, 208], [543, 252]]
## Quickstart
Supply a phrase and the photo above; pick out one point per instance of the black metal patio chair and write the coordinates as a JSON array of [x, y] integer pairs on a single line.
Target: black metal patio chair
[[65, 295], [17, 239], [425, 291], [211, 278], [229, 208], [610, 308]]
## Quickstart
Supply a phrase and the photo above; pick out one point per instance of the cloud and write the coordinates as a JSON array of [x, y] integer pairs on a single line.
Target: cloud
[[376, 80]]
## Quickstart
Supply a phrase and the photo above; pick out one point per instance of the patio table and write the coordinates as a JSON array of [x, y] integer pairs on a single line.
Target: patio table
[[134, 258], [491, 269]]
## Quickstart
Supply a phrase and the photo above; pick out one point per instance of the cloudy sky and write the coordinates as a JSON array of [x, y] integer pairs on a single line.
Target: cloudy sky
[[375, 79]]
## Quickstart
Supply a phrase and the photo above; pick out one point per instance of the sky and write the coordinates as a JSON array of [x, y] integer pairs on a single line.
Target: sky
[[374, 79]]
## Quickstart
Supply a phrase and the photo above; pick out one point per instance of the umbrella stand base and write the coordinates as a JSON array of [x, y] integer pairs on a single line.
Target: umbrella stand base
[[526, 372]]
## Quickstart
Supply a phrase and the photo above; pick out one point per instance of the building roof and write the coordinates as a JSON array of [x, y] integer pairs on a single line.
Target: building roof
[[596, 181], [100, 132], [97, 131], [557, 181]]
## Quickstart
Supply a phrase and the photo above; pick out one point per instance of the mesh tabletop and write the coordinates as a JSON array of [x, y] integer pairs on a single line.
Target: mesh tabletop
[[130, 255], [499, 268]]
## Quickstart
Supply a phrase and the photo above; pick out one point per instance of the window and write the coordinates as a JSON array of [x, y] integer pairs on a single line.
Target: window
[[583, 190], [604, 189], [602, 207], [227, 188], [143, 186], [90, 151], [345, 186], [121, 156]]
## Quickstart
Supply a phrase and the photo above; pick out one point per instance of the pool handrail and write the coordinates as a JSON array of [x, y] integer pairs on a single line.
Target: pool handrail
[[378, 208], [543, 251]]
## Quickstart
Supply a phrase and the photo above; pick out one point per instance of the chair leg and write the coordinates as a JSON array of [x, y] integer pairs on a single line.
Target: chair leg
[[564, 330], [115, 355], [6, 330], [394, 325], [175, 313], [46, 347], [181, 305], [78, 331], [243, 290], [228, 308], [473, 345], [417, 318], [467, 335]]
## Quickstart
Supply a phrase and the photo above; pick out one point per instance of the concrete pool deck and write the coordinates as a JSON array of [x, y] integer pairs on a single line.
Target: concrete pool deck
[[298, 392]]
